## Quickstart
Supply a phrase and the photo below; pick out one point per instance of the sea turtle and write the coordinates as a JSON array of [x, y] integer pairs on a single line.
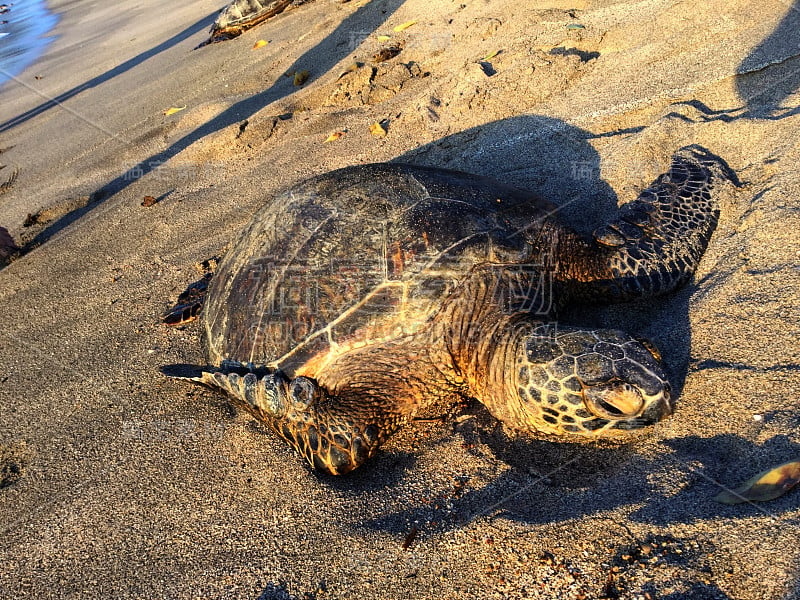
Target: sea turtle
[[240, 15], [361, 296]]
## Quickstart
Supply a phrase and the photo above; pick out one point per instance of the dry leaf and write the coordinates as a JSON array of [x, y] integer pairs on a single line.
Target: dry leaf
[[174, 109], [404, 26], [260, 44], [384, 38], [378, 130], [300, 77], [8, 183], [334, 136], [31, 220], [768, 485], [149, 201], [410, 537], [387, 53]]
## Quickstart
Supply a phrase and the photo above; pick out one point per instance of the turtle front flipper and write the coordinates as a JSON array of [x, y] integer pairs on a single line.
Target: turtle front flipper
[[333, 434], [655, 242]]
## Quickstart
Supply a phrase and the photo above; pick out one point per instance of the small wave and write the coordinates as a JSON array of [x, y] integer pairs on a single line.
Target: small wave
[[24, 26]]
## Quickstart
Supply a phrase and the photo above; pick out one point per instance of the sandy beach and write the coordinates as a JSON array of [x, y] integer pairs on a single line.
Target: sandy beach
[[116, 482]]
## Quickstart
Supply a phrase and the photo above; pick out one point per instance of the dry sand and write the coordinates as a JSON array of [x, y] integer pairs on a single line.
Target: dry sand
[[118, 483]]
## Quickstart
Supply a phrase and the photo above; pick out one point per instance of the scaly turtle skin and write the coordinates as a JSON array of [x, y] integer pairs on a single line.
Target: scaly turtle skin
[[362, 296]]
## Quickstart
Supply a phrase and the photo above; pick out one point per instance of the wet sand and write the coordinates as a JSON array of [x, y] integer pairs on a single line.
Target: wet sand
[[117, 482]]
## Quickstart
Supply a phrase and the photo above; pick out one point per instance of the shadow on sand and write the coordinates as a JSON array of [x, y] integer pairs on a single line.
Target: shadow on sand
[[323, 56], [771, 71], [200, 25]]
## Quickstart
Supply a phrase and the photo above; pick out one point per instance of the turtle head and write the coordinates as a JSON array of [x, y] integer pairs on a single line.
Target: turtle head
[[591, 383]]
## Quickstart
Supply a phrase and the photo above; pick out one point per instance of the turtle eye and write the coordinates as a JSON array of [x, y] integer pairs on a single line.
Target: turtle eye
[[303, 391], [615, 400]]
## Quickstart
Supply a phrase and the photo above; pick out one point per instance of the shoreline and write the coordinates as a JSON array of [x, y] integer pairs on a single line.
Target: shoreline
[[23, 54]]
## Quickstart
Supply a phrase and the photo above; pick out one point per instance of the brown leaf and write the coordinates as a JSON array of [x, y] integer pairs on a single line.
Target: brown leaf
[[334, 136], [300, 77], [31, 220], [767, 485], [410, 537], [386, 53], [149, 201]]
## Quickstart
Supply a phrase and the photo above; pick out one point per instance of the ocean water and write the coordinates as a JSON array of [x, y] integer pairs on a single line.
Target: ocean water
[[24, 25]]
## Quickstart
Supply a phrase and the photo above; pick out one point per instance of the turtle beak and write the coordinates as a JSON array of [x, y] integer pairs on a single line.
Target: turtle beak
[[615, 401], [626, 406], [656, 409]]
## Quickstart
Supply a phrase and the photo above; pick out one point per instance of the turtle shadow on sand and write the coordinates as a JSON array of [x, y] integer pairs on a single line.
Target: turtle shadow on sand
[[765, 79], [574, 482], [580, 480], [769, 74]]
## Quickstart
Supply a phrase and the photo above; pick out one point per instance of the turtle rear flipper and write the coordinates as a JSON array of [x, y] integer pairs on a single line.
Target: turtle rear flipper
[[655, 242], [189, 303]]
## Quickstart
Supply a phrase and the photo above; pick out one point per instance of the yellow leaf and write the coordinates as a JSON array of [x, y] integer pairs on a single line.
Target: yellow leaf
[[404, 26], [300, 77], [492, 55], [378, 130], [384, 38], [260, 44], [767, 485], [173, 110], [334, 136]]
